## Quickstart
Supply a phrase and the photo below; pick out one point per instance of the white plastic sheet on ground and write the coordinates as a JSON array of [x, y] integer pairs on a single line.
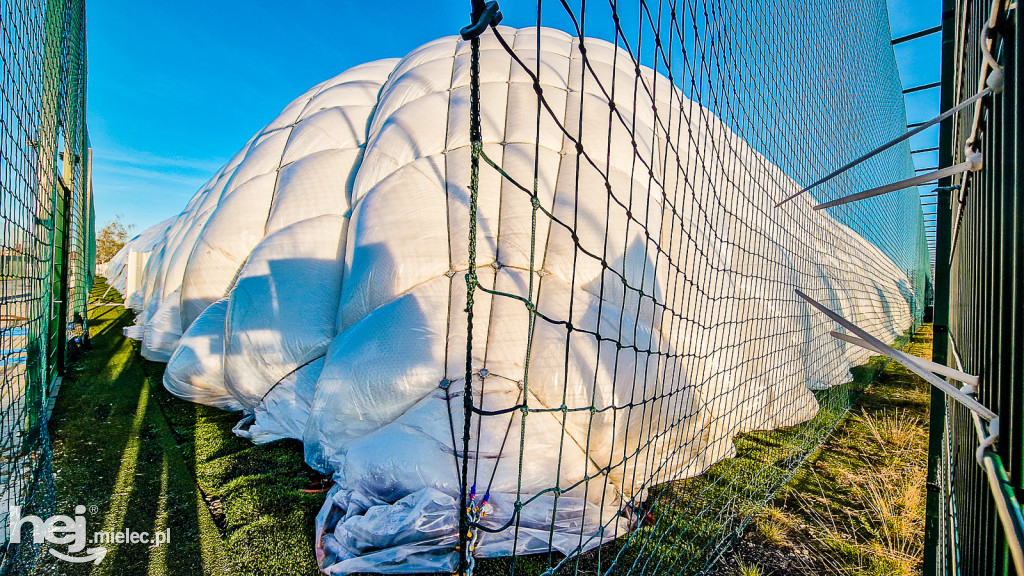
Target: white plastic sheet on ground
[[316, 282]]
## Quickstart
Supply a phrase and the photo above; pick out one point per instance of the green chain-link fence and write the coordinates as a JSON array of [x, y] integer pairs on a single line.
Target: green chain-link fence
[[46, 240]]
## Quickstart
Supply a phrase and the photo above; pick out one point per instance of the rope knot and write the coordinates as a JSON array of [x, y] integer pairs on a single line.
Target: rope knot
[[489, 16]]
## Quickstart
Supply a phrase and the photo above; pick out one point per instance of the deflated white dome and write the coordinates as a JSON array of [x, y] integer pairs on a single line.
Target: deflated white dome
[[317, 283]]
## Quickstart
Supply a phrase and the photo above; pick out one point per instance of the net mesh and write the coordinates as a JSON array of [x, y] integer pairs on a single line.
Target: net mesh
[[46, 244], [723, 109]]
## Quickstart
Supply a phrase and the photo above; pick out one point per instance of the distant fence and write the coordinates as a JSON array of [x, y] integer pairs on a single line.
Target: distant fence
[[672, 380], [976, 469], [46, 236]]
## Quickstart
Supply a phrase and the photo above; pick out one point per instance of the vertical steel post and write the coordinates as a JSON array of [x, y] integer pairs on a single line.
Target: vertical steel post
[[934, 549], [1015, 195]]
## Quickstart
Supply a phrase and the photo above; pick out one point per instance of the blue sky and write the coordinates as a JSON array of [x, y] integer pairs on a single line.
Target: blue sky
[[919, 63], [176, 88]]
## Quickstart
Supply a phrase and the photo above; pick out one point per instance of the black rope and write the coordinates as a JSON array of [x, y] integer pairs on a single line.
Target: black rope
[[688, 156]]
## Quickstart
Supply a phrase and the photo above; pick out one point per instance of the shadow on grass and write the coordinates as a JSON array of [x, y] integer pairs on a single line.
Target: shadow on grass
[[113, 454], [694, 520], [857, 507], [148, 462]]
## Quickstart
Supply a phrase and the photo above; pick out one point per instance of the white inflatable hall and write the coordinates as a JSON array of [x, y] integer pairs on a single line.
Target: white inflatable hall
[[316, 285]]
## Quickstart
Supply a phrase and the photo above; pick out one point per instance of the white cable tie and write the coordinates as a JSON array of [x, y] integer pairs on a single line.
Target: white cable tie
[[907, 135]]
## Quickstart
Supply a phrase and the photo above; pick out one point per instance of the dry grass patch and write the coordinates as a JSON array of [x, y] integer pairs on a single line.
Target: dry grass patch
[[858, 507], [745, 569]]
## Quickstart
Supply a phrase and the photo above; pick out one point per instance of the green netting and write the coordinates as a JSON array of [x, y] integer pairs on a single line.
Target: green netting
[[46, 238], [807, 88]]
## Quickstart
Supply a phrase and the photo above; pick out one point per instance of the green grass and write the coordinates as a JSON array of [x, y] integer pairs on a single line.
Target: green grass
[[148, 461], [857, 507], [693, 519]]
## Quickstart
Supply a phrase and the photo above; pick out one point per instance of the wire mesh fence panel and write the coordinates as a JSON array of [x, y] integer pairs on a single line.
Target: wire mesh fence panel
[[641, 376], [45, 202], [80, 236], [979, 276], [81, 255]]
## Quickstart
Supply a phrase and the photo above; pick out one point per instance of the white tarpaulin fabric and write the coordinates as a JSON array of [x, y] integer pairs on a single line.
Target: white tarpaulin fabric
[[317, 283]]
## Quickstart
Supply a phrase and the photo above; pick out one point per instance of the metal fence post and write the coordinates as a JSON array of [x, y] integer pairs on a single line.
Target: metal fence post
[[935, 559]]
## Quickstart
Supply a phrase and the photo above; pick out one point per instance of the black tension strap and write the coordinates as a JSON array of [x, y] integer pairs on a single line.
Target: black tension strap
[[489, 16]]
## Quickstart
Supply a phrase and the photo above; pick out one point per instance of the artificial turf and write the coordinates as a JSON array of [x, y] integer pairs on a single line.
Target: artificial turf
[[141, 459], [147, 461]]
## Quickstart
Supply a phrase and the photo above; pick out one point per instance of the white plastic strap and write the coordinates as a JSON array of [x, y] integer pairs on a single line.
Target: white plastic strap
[[940, 369], [924, 126], [910, 362], [972, 163]]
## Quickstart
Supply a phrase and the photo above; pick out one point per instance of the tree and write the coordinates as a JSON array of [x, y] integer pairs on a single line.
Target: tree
[[111, 238]]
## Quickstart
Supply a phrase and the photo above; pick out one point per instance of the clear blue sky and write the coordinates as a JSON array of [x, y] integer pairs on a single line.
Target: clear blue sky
[[175, 88]]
